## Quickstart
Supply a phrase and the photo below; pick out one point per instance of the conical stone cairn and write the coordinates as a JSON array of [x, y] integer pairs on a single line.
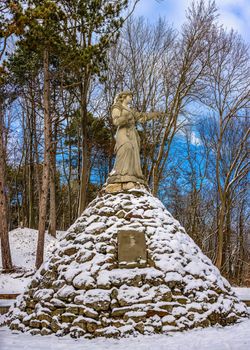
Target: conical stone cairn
[[126, 266]]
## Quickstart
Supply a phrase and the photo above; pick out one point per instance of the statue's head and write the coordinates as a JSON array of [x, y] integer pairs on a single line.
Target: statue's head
[[122, 95]]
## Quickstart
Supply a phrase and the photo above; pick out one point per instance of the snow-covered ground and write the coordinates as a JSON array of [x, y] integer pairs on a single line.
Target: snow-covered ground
[[23, 242], [235, 337], [23, 247], [243, 293]]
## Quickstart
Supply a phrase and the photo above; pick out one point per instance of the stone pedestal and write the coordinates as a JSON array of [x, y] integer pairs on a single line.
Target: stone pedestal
[[126, 266], [123, 186]]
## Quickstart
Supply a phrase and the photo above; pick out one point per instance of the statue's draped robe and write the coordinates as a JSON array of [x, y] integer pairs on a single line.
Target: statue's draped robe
[[127, 165]]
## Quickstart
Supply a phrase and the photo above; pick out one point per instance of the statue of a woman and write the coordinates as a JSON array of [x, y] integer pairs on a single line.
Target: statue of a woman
[[127, 167]]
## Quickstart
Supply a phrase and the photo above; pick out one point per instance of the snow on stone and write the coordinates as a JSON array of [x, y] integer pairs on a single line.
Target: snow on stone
[[173, 276], [100, 297], [95, 227], [43, 294], [65, 292], [83, 280], [83, 272]]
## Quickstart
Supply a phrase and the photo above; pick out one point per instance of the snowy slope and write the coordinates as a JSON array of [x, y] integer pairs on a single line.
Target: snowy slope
[[23, 244], [243, 293]]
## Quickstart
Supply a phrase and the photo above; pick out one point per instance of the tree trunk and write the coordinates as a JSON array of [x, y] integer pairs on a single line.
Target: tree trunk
[[240, 260], [69, 187], [31, 175], [79, 146], [4, 234], [220, 241], [46, 165], [52, 212], [37, 164], [155, 180], [84, 171], [227, 241]]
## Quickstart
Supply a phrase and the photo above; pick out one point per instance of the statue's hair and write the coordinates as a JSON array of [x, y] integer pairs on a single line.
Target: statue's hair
[[120, 97]]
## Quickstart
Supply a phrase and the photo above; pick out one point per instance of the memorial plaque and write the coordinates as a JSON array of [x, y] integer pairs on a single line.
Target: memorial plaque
[[132, 251]]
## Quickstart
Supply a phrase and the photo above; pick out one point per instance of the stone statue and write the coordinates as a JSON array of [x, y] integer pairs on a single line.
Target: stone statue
[[127, 167]]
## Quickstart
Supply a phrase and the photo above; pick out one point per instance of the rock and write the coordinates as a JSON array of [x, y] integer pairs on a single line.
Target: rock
[[34, 283], [66, 293], [137, 316], [55, 325], [58, 311], [98, 299], [70, 250], [157, 312], [73, 309], [43, 316], [82, 291], [80, 324], [83, 281], [129, 185], [167, 296], [113, 188], [182, 300], [121, 311], [140, 327], [35, 323], [45, 331], [108, 332], [91, 313], [202, 323], [45, 324], [95, 227], [56, 285], [121, 214], [105, 321], [35, 331], [168, 320], [30, 304], [68, 317], [86, 256], [43, 294], [15, 325], [114, 304], [75, 332], [106, 211], [92, 326], [167, 306]]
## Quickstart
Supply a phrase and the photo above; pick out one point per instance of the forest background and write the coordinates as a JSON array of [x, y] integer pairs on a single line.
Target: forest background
[[63, 62]]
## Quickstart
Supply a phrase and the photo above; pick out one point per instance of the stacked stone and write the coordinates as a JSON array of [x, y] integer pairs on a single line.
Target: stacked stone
[[82, 291]]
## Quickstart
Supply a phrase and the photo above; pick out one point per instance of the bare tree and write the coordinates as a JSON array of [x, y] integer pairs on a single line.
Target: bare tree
[[228, 97], [165, 71]]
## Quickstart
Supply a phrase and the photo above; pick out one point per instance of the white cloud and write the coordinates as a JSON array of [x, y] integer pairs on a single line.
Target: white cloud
[[233, 13], [195, 140]]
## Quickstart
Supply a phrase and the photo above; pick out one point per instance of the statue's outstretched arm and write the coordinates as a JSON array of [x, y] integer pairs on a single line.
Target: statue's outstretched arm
[[143, 117]]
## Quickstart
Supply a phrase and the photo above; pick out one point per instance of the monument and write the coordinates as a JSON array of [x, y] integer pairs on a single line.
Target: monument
[[126, 266], [127, 171]]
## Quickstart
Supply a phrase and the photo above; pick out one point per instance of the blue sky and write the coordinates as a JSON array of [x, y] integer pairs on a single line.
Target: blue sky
[[233, 13]]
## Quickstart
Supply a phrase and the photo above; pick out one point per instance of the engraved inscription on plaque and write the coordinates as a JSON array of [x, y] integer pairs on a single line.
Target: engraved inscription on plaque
[[132, 250]]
